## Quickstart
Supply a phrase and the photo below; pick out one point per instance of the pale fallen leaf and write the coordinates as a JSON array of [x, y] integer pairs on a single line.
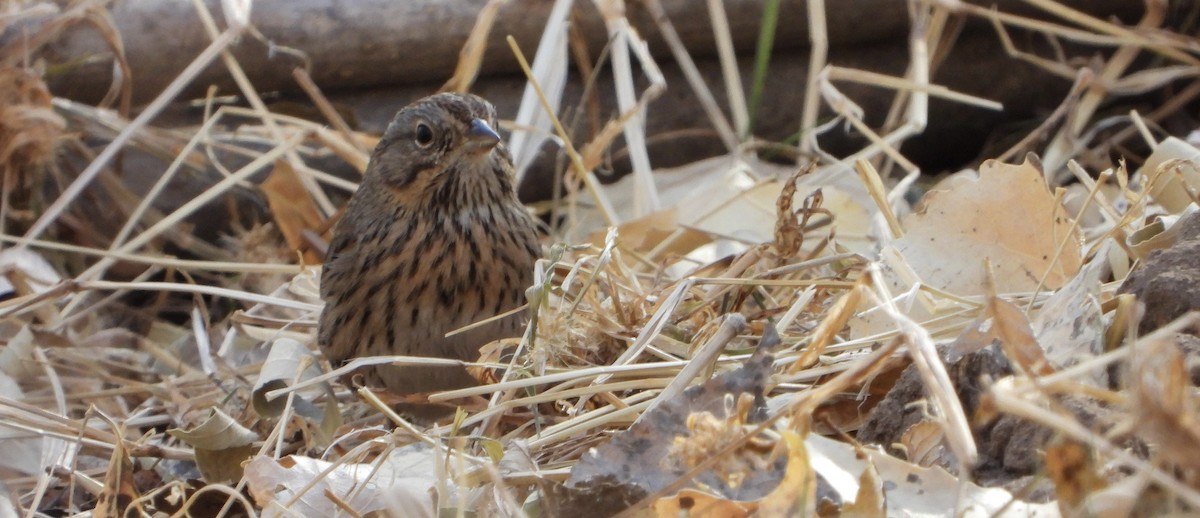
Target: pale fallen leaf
[[658, 232], [912, 490], [22, 450], [1118, 499], [735, 196], [1070, 326], [1004, 214], [751, 216], [1090, 215], [275, 485], [303, 486]]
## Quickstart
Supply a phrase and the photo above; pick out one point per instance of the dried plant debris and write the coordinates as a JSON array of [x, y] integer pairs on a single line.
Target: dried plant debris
[[1165, 403], [398, 483], [29, 129], [904, 406], [737, 336], [1001, 226], [668, 446]]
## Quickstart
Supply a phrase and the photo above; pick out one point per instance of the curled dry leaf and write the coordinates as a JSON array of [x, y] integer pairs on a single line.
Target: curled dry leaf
[[789, 230], [221, 444], [267, 322], [288, 362], [924, 444], [1161, 232]]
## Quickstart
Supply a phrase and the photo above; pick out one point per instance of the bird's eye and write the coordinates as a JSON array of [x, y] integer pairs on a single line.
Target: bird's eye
[[424, 135]]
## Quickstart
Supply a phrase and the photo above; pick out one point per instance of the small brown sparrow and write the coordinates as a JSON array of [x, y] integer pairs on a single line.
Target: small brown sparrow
[[434, 239]]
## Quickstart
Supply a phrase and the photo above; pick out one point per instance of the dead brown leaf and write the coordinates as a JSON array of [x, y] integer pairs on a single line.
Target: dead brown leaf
[[1016, 337], [292, 207]]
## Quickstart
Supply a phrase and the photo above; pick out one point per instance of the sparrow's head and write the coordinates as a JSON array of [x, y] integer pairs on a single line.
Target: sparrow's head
[[442, 146]]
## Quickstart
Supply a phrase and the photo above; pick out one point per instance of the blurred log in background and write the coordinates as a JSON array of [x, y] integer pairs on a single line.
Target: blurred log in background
[[373, 56]]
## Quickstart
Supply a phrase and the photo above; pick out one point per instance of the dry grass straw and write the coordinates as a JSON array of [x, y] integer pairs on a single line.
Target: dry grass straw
[[614, 335]]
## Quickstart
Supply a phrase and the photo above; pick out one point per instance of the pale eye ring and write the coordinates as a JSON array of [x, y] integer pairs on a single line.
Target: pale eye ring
[[424, 135]]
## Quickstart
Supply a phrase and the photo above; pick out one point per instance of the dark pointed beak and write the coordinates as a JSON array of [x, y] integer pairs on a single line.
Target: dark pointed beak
[[482, 134]]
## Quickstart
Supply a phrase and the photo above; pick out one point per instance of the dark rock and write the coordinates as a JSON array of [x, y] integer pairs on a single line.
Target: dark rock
[[1010, 447]]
